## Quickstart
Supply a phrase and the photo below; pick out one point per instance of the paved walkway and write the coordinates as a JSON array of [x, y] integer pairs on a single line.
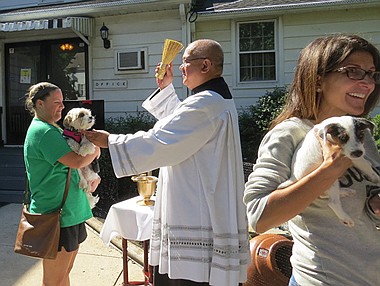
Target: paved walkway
[[95, 265]]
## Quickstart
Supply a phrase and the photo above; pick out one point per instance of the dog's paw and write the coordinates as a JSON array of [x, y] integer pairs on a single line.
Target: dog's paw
[[91, 176], [86, 149], [335, 204], [348, 222], [83, 184], [374, 178], [343, 216], [73, 145], [346, 192], [92, 200]]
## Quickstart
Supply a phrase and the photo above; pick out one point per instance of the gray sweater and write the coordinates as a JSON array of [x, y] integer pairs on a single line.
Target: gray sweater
[[325, 251]]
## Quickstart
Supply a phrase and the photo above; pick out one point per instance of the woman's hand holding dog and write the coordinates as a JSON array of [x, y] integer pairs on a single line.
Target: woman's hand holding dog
[[333, 158], [97, 137]]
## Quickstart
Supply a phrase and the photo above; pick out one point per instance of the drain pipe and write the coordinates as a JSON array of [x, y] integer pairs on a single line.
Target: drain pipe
[[1, 127], [186, 39]]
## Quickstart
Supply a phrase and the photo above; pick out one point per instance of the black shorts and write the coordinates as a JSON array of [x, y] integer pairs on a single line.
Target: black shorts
[[72, 236]]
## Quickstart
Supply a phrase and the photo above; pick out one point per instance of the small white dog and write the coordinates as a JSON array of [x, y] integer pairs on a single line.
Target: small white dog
[[76, 120], [348, 132]]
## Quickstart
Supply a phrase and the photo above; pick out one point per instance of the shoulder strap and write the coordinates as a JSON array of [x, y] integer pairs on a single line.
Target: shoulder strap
[[26, 192], [66, 188]]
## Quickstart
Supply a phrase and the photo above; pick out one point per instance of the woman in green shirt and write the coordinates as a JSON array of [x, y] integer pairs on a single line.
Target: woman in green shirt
[[47, 159]]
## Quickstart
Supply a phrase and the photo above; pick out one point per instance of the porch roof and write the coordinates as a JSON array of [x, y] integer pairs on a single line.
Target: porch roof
[[82, 26], [241, 6]]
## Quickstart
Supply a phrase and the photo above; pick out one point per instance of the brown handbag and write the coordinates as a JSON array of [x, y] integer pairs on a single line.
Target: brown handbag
[[38, 234]]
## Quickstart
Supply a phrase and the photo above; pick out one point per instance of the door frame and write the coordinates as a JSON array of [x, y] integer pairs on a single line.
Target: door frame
[[45, 68]]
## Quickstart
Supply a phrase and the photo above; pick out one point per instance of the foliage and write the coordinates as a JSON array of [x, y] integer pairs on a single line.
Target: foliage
[[254, 121], [376, 133], [111, 189], [130, 123]]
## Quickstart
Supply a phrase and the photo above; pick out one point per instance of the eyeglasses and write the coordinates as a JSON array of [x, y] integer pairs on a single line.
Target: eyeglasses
[[186, 61], [359, 74]]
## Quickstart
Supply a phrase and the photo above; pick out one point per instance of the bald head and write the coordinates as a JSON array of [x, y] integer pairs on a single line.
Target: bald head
[[210, 49]]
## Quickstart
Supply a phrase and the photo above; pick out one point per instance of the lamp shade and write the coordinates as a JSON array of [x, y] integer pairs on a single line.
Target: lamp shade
[[104, 32]]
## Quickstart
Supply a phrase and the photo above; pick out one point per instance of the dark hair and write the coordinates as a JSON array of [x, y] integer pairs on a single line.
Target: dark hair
[[320, 57], [38, 91]]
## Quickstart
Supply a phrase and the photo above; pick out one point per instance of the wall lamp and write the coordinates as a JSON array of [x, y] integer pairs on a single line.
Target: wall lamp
[[104, 34], [66, 47]]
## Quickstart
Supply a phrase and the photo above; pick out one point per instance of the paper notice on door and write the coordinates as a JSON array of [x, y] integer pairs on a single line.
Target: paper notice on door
[[25, 75]]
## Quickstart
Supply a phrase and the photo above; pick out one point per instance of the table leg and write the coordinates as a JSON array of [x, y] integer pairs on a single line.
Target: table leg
[[150, 278], [147, 269], [125, 261]]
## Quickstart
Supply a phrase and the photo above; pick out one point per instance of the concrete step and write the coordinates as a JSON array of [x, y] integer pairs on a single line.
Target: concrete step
[[12, 182], [12, 170], [12, 175], [11, 196]]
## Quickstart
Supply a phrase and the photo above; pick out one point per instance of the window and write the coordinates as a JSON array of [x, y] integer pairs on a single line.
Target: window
[[257, 51]]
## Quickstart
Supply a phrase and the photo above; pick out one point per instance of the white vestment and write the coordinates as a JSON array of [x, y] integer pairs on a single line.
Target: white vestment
[[200, 226]]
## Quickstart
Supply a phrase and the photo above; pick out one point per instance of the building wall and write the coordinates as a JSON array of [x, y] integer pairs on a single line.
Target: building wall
[[295, 31], [150, 29], [130, 32]]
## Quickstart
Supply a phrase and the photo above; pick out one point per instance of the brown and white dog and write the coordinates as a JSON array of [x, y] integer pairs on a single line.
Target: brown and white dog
[[349, 133], [76, 120]]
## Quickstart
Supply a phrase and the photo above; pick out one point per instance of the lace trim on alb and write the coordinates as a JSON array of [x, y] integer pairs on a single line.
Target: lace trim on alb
[[199, 244]]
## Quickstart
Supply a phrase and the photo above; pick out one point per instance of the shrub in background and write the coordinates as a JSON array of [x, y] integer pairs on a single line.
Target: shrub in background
[[111, 189], [254, 121], [376, 133]]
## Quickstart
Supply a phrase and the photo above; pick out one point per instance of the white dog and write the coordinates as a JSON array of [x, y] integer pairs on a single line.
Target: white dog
[[348, 132], [76, 120]]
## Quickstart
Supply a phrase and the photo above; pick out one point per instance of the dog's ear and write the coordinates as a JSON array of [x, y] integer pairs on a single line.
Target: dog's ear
[[363, 123], [334, 133], [327, 129], [67, 121]]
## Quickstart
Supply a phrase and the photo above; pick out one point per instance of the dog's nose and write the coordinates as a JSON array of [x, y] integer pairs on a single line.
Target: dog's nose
[[356, 154]]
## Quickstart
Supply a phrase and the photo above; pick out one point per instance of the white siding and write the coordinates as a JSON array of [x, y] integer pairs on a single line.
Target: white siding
[[150, 29], [295, 31], [301, 29], [145, 30]]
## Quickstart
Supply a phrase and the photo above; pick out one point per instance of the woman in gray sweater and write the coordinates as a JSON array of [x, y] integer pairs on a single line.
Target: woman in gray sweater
[[336, 75]]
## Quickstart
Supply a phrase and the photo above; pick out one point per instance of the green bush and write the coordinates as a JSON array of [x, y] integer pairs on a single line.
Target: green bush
[[254, 121], [111, 189], [376, 133]]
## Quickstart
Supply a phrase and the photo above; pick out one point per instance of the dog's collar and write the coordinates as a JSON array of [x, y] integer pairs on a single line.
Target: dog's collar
[[73, 135]]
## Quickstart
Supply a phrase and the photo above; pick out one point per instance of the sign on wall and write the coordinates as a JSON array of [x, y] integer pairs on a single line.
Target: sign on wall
[[110, 84]]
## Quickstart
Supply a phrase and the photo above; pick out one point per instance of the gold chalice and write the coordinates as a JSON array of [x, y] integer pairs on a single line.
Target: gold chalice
[[146, 186]]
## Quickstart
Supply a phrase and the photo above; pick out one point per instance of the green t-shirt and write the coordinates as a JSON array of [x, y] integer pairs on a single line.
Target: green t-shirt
[[44, 145]]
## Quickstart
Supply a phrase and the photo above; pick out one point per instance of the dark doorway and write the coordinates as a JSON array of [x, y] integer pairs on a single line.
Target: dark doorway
[[62, 62]]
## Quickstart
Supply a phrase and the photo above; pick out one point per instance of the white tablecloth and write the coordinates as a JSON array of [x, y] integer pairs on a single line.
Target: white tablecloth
[[129, 220]]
